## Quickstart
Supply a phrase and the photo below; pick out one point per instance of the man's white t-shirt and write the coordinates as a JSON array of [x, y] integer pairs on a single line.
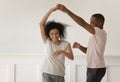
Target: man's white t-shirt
[[54, 65], [95, 50]]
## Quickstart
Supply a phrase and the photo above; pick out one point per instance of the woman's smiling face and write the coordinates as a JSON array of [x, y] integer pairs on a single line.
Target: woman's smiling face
[[54, 34]]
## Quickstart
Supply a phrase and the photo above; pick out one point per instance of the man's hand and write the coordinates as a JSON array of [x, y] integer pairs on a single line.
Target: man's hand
[[61, 7], [76, 45]]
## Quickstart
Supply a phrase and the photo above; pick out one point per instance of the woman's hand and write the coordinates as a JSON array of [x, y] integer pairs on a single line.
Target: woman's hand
[[57, 53]]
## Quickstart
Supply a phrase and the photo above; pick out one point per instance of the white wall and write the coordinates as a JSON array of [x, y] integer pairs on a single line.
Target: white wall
[[26, 68], [19, 23], [20, 36]]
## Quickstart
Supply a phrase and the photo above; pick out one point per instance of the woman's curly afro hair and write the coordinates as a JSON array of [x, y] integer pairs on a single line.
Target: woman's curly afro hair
[[55, 25]]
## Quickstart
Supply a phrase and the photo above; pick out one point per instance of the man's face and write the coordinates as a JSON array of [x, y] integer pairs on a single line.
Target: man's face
[[93, 22]]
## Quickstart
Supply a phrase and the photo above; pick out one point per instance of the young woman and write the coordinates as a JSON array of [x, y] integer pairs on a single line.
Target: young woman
[[57, 49]]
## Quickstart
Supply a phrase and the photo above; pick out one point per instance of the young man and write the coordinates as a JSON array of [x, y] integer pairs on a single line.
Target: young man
[[95, 51]]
